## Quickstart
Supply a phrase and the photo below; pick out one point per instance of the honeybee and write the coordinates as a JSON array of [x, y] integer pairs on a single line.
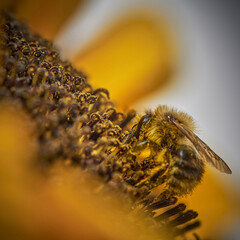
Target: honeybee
[[177, 155]]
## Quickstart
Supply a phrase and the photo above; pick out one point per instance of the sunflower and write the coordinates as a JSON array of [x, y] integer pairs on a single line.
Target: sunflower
[[135, 46]]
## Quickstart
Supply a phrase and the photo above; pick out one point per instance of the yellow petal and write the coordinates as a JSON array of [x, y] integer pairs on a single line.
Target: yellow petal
[[134, 57]]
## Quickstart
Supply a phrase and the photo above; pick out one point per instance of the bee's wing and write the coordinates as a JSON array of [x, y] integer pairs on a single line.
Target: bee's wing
[[208, 154]]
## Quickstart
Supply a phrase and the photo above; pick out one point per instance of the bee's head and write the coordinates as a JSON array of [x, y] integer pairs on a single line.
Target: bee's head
[[169, 128], [168, 115]]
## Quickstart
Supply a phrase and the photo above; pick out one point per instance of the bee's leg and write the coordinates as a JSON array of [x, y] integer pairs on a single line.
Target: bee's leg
[[130, 136], [154, 177], [156, 166], [144, 120], [164, 196], [135, 133]]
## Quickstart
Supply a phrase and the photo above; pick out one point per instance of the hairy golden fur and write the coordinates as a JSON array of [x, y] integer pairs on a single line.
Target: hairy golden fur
[[161, 111]]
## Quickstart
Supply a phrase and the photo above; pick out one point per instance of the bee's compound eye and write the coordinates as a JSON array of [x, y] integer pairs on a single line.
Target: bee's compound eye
[[185, 152]]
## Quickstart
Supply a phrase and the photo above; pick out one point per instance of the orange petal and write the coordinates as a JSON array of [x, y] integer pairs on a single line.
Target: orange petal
[[136, 56]]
